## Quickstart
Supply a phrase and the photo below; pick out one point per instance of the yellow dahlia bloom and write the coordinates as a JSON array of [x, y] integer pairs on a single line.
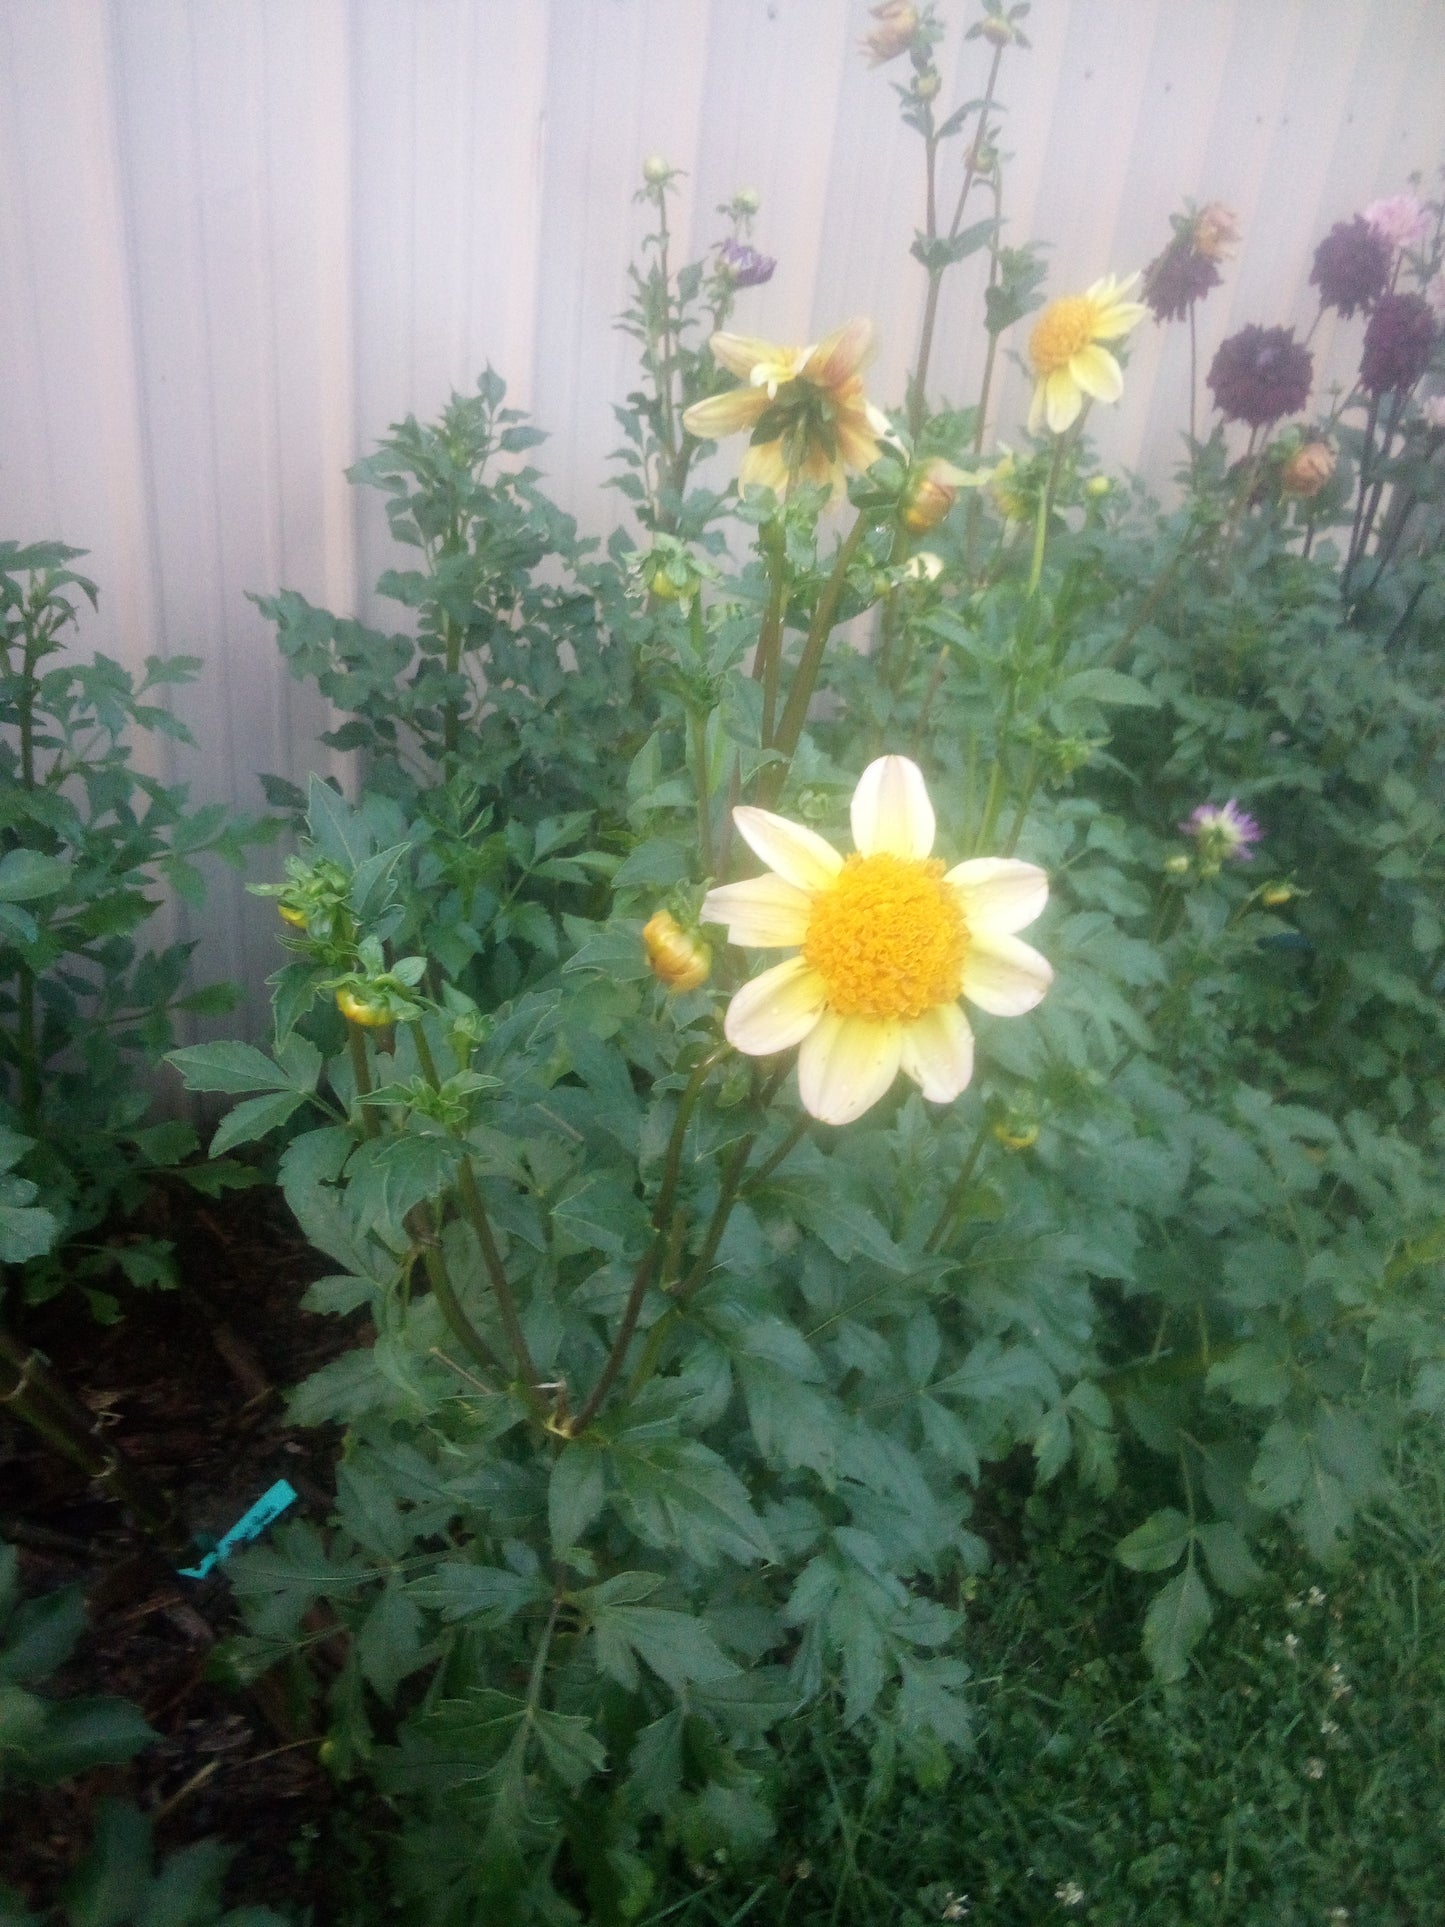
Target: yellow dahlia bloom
[[1066, 356], [804, 407], [887, 941]]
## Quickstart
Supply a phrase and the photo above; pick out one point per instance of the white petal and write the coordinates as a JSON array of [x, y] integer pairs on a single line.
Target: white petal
[[938, 1053], [846, 1064], [1004, 976], [776, 1010], [1063, 399], [1000, 895], [1097, 373], [766, 911], [791, 849], [891, 810]]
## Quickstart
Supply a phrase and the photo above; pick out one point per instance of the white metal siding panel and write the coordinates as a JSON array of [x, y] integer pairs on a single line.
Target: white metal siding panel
[[238, 238]]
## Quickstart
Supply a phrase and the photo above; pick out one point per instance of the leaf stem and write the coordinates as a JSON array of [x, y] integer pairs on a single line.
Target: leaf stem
[[956, 1194]]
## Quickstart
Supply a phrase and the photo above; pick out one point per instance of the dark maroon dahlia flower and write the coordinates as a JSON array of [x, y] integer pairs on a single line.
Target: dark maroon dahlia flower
[[1352, 266], [1399, 340], [1177, 278], [1261, 374]]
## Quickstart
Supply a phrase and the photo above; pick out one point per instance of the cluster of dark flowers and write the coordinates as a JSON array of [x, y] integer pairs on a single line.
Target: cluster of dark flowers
[[1260, 375]]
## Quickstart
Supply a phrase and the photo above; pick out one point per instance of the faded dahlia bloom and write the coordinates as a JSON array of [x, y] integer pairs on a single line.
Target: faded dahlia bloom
[[887, 941], [1224, 834], [804, 407], [1352, 266], [1261, 374], [1399, 341], [1066, 356], [679, 962], [1308, 469], [1216, 231], [744, 266], [1401, 219], [897, 24], [930, 493]]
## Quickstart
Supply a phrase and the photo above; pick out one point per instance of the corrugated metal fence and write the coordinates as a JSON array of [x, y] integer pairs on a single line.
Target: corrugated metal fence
[[240, 237]]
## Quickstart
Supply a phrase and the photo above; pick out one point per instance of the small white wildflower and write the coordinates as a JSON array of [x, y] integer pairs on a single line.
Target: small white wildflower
[[1314, 1769], [1293, 1605], [1315, 1597], [1338, 1913], [1070, 1894], [1329, 1728], [1340, 1687], [1291, 1644], [955, 1906]]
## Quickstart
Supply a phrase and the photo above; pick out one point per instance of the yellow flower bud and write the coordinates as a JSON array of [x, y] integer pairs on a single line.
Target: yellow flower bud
[[930, 494], [1176, 866], [927, 85], [1097, 485], [1274, 894], [747, 200], [1020, 1138], [1308, 469], [359, 1009], [679, 962], [655, 170], [290, 914], [996, 29]]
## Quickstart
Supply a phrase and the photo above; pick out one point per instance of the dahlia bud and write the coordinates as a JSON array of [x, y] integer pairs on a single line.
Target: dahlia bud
[[290, 914], [927, 85], [747, 200], [679, 962], [1097, 485], [897, 24], [1274, 894], [1176, 866], [1016, 1137], [996, 30], [930, 494], [357, 1008], [1307, 470], [655, 170]]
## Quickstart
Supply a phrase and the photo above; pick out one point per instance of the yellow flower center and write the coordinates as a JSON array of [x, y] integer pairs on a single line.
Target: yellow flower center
[[888, 937], [1063, 329]]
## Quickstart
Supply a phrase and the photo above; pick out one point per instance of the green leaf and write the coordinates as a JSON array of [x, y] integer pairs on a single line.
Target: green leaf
[[26, 874], [678, 1492], [576, 1492], [1176, 1621], [85, 1733], [1232, 1566], [336, 829], [254, 1119], [1109, 686], [1156, 1545], [492, 1594], [109, 1883], [678, 1647], [40, 1635], [569, 1746], [230, 1067], [26, 1232]]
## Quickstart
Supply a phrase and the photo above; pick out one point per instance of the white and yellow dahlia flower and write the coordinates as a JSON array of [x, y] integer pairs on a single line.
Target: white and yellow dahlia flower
[[887, 942], [1066, 357]]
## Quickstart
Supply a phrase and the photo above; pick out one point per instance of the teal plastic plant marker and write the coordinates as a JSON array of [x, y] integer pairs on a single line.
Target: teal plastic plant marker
[[271, 1504]]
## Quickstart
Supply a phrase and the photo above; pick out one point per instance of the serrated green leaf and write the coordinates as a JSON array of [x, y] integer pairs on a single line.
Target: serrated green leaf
[[253, 1119], [1177, 1619], [1156, 1545]]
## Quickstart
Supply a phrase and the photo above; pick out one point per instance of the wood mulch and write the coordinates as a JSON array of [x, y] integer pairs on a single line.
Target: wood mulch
[[190, 1384]]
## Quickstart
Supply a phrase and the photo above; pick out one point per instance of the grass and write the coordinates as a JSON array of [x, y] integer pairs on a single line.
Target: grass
[[1296, 1778]]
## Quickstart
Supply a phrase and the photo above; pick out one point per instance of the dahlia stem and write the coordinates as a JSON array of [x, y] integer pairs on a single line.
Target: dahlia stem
[[805, 678], [767, 661], [1046, 503], [917, 401], [956, 1194], [361, 1071], [658, 1244]]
